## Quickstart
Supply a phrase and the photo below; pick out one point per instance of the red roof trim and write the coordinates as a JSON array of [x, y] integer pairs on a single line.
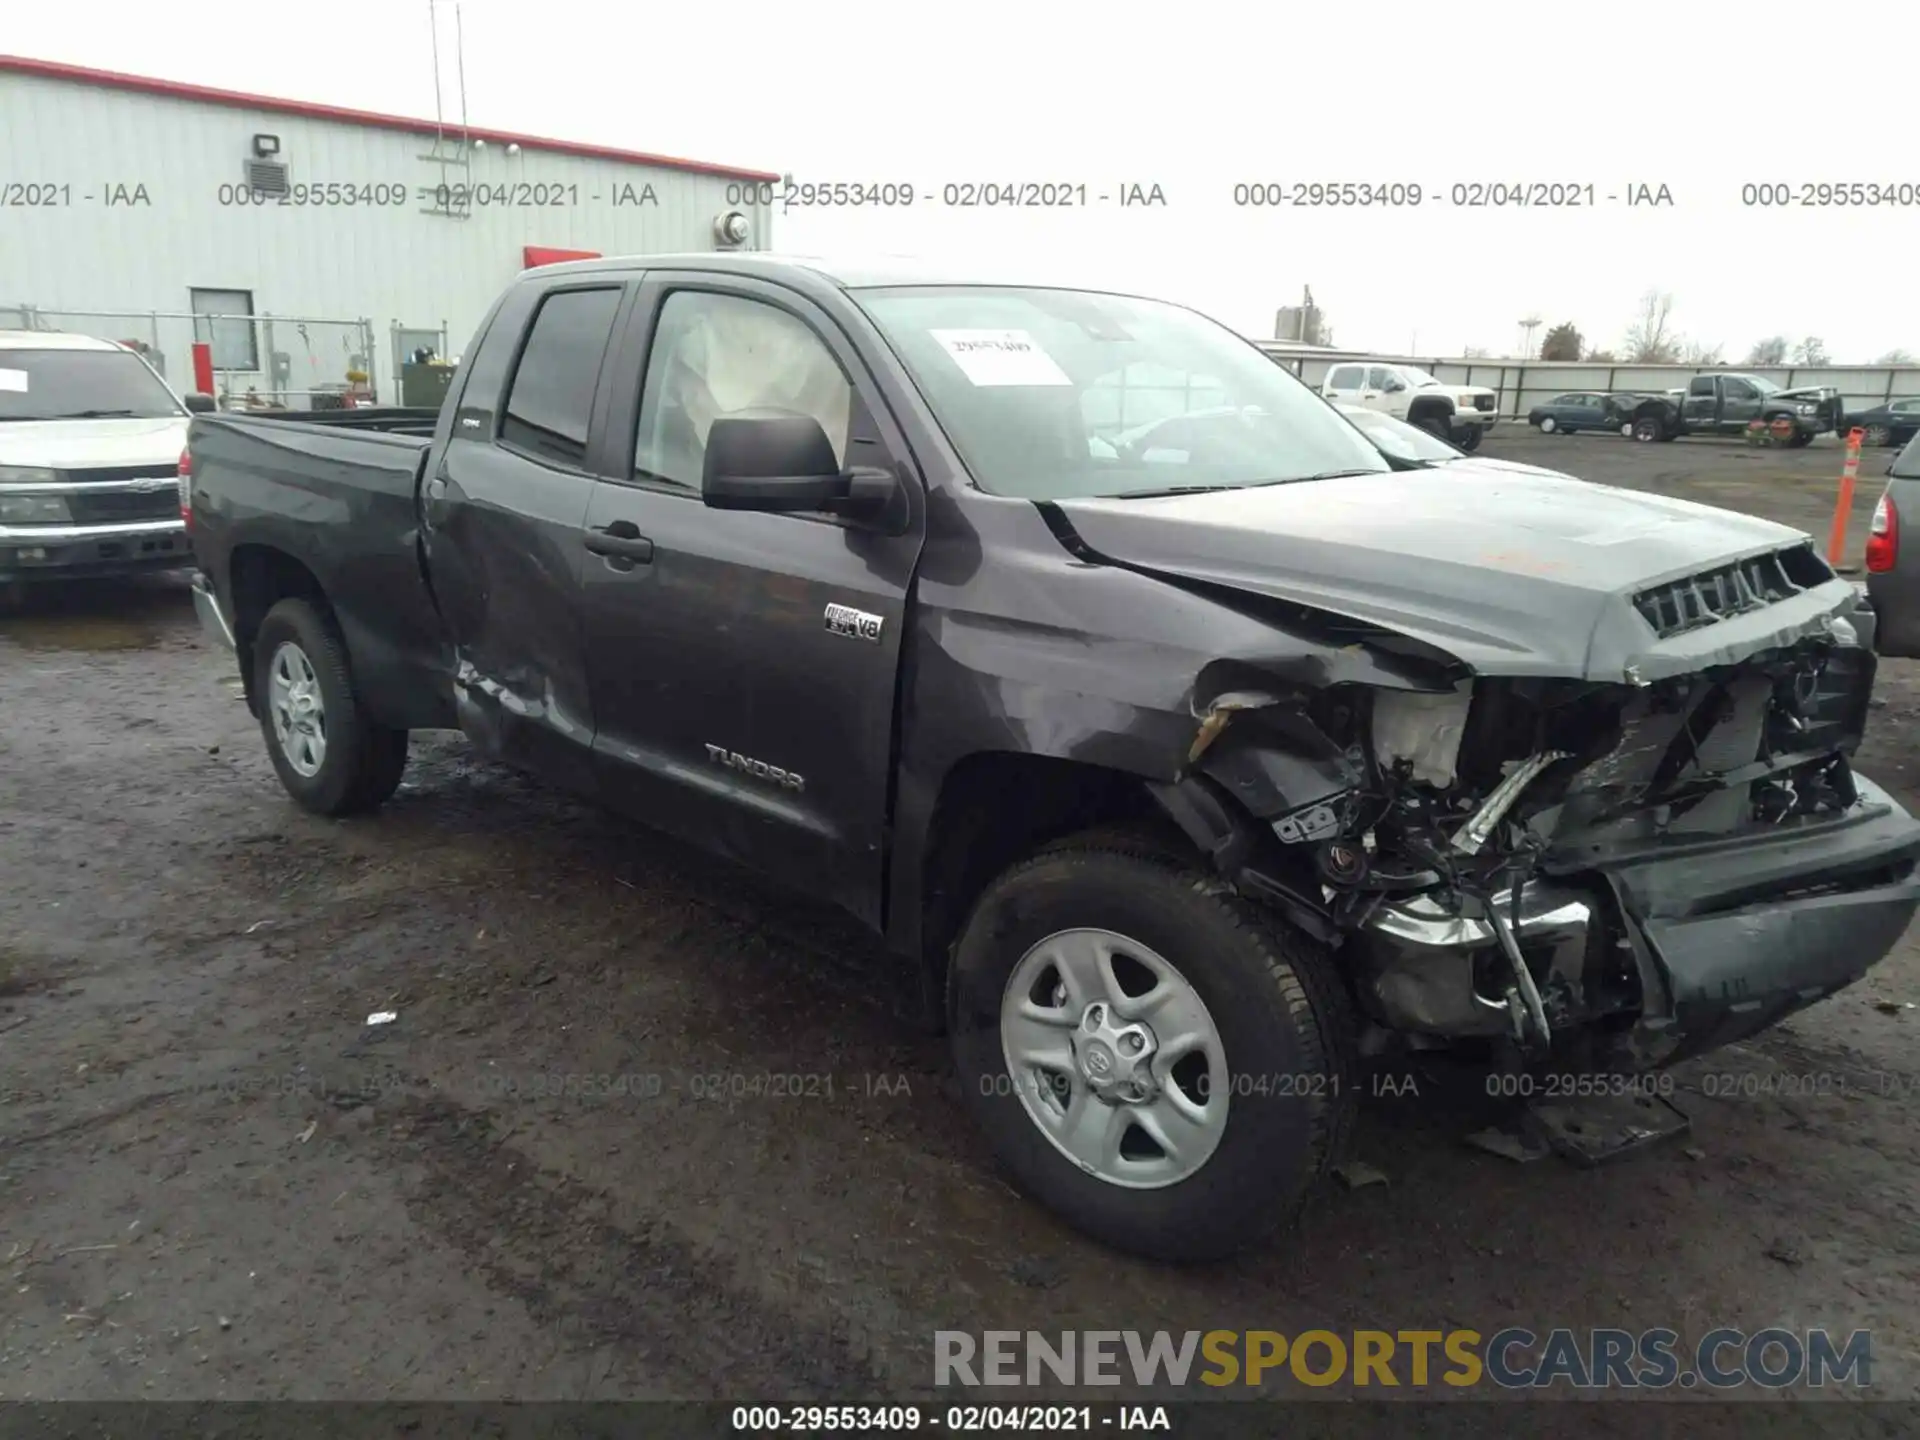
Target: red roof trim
[[239, 99]]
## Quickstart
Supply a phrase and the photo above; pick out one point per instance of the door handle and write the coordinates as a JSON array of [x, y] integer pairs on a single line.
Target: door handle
[[621, 540]]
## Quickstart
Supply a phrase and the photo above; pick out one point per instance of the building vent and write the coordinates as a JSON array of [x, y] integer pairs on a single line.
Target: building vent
[[267, 177]]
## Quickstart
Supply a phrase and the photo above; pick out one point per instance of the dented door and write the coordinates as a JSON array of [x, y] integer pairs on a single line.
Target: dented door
[[502, 513]]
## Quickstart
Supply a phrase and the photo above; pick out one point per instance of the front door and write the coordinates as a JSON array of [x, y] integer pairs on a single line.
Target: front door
[[501, 520], [743, 664]]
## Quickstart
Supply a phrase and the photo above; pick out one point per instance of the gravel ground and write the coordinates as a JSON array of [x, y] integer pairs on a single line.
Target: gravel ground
[[216, 1181]]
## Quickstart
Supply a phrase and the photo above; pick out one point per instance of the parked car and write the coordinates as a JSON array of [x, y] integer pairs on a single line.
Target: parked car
[[1152, 775], [1893, 568], [1725, 404], [90, 442], [1893, 422], [1460, 413], [1573, 412]]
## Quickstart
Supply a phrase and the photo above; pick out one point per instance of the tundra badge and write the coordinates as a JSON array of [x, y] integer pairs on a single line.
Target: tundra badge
[[854, 624], [759, 769]]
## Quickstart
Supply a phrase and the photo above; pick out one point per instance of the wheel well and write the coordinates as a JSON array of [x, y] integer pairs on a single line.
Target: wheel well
[[262, 577], [997, 808], [1429, 405]]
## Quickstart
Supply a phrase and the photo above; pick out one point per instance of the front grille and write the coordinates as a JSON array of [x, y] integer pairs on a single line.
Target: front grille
[[112, 507], [1728, 590], [1483, 402]]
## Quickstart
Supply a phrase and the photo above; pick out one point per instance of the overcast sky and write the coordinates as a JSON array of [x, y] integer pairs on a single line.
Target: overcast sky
[[1197, 97]]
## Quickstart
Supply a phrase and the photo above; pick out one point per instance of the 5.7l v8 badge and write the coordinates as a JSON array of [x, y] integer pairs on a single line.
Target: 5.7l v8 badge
[[854, 624]]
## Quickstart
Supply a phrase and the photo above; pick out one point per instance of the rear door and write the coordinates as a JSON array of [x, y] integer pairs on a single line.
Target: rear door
[[1701, 407], [501, 516], [1344, 384], [743, 664]]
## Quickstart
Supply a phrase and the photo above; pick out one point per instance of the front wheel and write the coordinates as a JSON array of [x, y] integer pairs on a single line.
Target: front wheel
[[1469, 438], [1548, 425], [330, 756], [1168, 1068]]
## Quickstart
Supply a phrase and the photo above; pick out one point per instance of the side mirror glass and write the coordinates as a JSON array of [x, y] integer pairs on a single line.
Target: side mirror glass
[[200, 403]]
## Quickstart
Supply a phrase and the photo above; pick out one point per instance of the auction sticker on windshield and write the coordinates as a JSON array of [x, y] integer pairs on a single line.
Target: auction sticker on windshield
[[13, 380], [1000, 357]]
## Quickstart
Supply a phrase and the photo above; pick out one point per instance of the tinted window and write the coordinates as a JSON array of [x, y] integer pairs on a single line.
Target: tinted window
[[1906, 465], [552, 396], [720, 355], [1344, 377], [1377, 378], [1567, 400], [61, 384], [1903, 406], [1700, 385]]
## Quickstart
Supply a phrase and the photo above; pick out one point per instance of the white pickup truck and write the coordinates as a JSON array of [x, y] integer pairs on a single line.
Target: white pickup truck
[[1460, 413], [90, 446]]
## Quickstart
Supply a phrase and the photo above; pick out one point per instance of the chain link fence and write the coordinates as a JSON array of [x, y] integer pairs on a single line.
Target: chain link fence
[[289, 362]]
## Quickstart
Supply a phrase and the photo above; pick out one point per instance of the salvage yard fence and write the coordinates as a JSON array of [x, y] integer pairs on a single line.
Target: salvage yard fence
[[296, 361], [1522, 384]]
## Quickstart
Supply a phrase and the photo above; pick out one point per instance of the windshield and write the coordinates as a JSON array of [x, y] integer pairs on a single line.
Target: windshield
[[1417, 377], [81, 384], [1062, 394], [1764, 385], [1399, 440]]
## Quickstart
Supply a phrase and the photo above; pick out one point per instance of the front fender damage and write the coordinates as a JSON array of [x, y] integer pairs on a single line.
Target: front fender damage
[[1467, 843]]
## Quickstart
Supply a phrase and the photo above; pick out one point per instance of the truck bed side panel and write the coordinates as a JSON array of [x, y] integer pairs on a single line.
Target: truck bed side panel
[[342, 503]]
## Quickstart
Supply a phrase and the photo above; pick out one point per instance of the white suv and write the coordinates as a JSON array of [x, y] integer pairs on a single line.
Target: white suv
[[1460, 413]]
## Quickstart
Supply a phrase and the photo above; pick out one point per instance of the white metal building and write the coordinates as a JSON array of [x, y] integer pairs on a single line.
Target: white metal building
[[133, 205]]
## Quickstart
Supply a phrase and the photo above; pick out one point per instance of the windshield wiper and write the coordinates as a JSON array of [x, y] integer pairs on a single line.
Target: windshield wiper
[[97, 415], [1172, 490], [1329, 475]]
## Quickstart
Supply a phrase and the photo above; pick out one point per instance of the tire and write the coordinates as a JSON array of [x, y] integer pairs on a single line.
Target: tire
[[1647, 428], [1876, 435], [1801, 439], [1281, 1045], [1469, 438], [355, 764], [1435, 425], [1548, 425]]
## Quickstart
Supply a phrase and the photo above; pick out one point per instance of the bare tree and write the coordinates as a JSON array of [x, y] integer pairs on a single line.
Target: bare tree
[[1563, 342], [1651, 339], [1896, 357], [1698, 352], [1770, 351], [1601, 357], [1811, 351]]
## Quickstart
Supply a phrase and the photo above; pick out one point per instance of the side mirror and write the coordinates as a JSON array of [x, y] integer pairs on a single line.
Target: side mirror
[[785, 464], [200, 403]]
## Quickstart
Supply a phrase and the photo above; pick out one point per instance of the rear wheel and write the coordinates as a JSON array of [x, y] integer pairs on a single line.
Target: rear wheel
[[1876, 435], [1167, 1067], [330, 757], [1646, 428]]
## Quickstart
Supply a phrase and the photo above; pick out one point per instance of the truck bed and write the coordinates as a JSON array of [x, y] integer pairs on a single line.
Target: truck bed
[[339, 490]]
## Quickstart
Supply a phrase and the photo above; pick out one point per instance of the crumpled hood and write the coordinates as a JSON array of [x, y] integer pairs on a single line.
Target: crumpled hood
[[93, 444], [1513, 573]]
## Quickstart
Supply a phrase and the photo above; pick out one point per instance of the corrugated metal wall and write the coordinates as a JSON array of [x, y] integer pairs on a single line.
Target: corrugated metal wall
[[106, 249], [1522, 384]]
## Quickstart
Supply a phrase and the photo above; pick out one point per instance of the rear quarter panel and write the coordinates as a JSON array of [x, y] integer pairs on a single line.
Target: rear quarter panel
[[341, 502]]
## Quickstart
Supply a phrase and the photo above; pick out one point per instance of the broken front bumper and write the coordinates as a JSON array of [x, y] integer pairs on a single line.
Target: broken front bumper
[[1746, 930], [1728, 934]]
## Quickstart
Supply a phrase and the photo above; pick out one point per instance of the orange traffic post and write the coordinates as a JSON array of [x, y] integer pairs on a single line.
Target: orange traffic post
[[1843, 507]]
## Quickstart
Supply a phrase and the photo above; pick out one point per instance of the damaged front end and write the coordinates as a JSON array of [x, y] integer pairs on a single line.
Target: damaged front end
[[1614, 873]]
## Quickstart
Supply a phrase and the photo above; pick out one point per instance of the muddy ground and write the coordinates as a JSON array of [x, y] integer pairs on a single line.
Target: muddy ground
[[216, 1181]]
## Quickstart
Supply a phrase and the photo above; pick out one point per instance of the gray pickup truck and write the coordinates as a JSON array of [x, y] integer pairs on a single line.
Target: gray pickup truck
[[1726, 404], [1180, 774]]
